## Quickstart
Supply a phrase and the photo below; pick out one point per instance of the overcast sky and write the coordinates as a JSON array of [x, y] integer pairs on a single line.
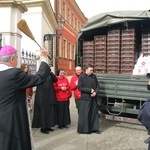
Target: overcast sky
[[93, 7]]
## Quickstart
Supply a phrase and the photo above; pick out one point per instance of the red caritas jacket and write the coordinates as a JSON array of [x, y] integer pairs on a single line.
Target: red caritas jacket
[[60, 94], [74, 86]]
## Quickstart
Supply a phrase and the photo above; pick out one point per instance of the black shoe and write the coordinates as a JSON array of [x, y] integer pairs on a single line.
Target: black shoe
[[65, 126], [60, 127], [50, 129], [45, 131], [147, 141], [97, 132]]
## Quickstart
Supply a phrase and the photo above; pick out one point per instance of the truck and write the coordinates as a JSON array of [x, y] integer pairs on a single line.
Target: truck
[[113, 42]]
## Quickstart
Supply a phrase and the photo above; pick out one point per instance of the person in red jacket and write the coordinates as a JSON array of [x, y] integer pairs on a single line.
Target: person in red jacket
[[62, 96], [74, 86]]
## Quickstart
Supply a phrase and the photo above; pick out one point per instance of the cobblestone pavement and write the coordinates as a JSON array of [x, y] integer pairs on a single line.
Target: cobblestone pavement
[[114, 136]]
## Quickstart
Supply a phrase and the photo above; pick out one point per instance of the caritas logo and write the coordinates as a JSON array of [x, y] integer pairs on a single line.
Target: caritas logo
[[62, 84]]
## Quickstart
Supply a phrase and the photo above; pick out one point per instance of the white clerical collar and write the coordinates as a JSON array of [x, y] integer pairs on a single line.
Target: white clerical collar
[[4, 67]]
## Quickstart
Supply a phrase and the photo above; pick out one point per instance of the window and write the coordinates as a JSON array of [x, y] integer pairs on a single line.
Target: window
[[76, 23], [69, 51], [68, 15], [63, 52], [64, 10], [73, 52], [65, 49], [72, 22], [60, 48], [59, 6]]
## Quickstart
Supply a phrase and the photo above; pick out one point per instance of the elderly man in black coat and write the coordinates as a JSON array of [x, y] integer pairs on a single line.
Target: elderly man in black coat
[[88, 113], [45, 106]]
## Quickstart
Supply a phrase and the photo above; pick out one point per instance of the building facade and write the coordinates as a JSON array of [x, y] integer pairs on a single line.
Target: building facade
[[41, 20], [68, 12]]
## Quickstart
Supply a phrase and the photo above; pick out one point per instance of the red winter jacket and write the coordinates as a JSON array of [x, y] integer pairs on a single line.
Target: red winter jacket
[[74, 87], [60, 94]]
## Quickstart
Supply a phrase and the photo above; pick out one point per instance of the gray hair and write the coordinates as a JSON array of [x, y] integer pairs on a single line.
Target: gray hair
[[7, 57]]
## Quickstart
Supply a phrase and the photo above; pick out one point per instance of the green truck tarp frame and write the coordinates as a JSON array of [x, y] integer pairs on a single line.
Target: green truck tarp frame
[[112, 18]]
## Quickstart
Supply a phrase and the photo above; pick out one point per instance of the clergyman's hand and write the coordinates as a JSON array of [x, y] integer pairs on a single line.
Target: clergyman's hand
[[43, 54], [92, 91], [93, 94]]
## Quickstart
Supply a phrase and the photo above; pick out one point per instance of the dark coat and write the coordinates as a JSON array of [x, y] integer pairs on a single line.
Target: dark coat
[[14, 125], [88, 121], [45, 99], [144, 114], [46, 92], [86, 83]]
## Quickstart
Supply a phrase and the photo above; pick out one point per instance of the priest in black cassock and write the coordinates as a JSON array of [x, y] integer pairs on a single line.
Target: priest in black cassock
[[14, 124], [45, 113], [88, 121]]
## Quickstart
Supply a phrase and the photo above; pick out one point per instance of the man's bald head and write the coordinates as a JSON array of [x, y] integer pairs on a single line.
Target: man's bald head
[[78, 70]]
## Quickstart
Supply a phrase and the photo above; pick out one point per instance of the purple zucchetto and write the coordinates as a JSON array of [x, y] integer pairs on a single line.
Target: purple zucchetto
[[7, 50]]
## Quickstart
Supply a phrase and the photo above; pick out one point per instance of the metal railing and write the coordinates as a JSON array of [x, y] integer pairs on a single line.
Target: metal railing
[[30, 59]]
